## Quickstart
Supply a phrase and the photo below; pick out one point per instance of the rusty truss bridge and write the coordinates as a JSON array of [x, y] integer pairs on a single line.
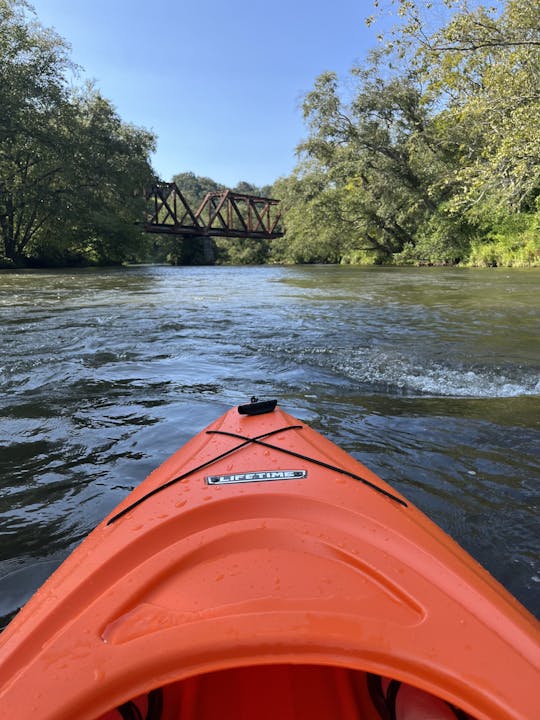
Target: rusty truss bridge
[[221, 214]]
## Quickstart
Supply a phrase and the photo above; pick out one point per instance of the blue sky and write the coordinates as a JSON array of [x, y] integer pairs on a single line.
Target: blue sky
[[219, 82]]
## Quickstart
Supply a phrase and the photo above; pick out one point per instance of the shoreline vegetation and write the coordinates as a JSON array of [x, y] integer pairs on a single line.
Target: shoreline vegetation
[[427, 154]]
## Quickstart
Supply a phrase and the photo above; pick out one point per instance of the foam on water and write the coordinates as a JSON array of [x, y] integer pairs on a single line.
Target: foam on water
[[395, 372]]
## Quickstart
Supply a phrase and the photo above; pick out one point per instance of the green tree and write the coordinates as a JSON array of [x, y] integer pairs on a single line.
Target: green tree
[[103, 199], [195, 187], [246, 188], [376, 170], [33, 107], [481, 67], [487, 69], [436, 147], [72, 174], [316, 230]]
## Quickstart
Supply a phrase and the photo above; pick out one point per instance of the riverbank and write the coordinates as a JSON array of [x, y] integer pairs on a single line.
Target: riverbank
[[484, 257], [514, 251]]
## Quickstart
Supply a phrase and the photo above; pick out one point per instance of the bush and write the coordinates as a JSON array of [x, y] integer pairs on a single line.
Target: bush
[[514, 243]]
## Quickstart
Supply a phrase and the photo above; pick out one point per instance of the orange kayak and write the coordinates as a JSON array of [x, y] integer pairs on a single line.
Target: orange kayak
[[262, 572]]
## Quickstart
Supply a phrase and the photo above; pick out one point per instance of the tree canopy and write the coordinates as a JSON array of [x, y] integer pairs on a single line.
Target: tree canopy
[[435, 154], [427, 153], [72, 173]]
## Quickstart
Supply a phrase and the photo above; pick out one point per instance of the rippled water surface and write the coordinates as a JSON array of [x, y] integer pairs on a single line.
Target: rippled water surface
[[429, 376]]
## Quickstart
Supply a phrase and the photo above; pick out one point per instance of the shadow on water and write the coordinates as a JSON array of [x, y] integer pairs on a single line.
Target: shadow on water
[[430, 378]]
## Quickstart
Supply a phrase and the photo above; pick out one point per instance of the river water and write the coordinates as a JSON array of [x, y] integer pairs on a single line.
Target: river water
[[429, 376]]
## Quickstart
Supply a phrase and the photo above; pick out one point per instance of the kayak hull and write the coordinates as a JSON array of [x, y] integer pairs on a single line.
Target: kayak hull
[[276, 560]]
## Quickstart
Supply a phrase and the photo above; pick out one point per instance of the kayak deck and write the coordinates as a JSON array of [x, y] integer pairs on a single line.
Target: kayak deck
[[261, 571]]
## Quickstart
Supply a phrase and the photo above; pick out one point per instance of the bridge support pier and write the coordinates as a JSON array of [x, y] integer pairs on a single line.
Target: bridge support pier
[[208, 251]]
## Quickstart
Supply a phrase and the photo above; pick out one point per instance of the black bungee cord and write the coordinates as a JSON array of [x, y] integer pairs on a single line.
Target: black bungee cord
[[258, 440]]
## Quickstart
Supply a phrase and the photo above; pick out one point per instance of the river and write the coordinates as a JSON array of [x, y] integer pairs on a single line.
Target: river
[[429, 376]]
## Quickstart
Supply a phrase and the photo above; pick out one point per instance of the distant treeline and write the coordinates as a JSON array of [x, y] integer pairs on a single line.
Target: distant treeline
[[429, 153]]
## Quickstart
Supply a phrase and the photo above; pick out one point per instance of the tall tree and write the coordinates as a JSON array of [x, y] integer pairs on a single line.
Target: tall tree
[[377, 162], [72, 174], [103, 188], [487, 69], [481, 66], [194, 187], [437, 144], [33, 106]]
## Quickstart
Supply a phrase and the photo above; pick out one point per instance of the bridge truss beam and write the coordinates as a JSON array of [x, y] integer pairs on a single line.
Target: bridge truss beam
[[221, 214]]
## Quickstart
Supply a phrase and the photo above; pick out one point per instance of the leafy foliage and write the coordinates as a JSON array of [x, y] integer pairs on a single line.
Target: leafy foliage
[[436, 146], [429, 153], [72, 174]]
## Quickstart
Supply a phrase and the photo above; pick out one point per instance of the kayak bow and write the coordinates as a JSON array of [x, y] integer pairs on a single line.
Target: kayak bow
[[263, 572]]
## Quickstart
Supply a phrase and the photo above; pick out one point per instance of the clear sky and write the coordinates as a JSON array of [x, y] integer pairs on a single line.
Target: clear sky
[[220, 82]]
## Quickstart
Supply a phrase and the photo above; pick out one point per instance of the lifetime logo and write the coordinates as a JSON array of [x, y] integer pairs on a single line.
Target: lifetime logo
[[256, 476]]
